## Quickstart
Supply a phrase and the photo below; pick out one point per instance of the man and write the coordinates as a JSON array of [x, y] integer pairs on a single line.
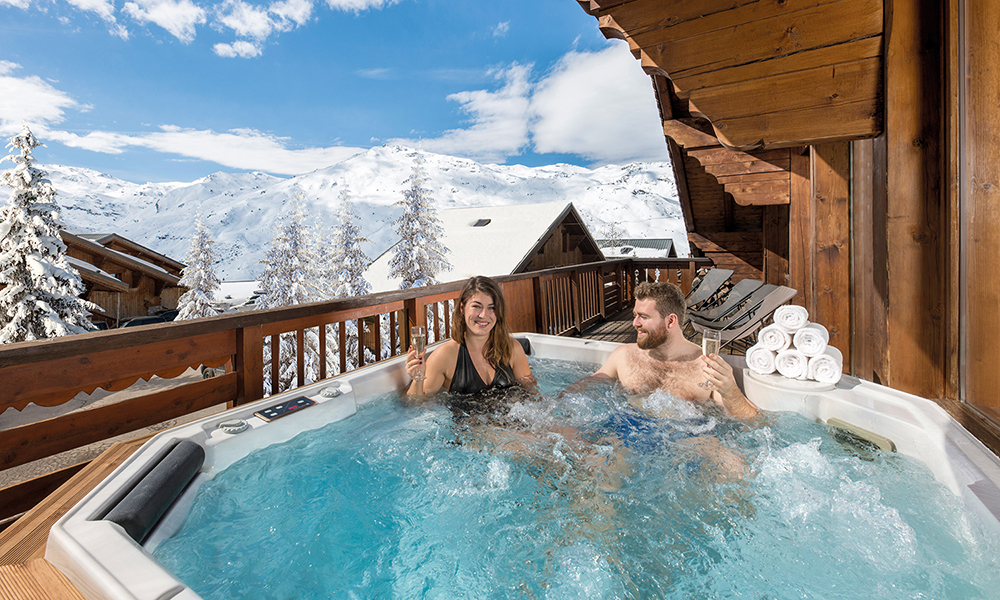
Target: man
[[663, 359]]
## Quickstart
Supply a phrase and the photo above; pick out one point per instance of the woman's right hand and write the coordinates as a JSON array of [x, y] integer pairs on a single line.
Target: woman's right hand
[[414, 363]]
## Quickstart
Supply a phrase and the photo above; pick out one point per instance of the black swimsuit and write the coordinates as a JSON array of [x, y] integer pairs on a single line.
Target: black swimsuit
[[467, 380]]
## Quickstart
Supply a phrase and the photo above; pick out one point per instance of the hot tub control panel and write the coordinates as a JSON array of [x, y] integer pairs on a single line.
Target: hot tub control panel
[[279, 410]]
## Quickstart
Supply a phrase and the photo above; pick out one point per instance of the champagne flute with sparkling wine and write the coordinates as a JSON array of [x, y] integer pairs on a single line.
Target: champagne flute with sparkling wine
[[710, 340], [418, 337]]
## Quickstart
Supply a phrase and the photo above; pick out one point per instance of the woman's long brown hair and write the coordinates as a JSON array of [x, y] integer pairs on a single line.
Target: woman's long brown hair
[[499, 346]]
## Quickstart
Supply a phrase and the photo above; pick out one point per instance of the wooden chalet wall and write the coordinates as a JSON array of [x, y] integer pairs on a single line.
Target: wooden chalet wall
[[760, 102], [892, 170]]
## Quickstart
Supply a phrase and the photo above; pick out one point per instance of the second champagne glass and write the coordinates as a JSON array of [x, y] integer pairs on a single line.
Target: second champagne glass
[[418, 338]]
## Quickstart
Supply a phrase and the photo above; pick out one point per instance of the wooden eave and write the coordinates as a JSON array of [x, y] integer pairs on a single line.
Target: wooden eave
[[761, 75], [119, 259], [137, 250]]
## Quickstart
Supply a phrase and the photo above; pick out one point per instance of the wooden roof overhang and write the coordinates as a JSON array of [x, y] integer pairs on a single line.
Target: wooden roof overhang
[[758, 74], [114, 261], [127, 246]]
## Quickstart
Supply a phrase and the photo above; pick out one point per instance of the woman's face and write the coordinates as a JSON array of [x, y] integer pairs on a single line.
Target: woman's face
[[480, 314]]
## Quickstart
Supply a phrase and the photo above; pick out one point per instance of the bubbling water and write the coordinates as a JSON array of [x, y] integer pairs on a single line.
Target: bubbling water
[[578, 496]]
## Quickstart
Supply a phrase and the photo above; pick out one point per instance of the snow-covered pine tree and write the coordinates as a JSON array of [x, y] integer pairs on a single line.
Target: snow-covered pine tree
[[289, 279], [346, 266], [199, 276], [41, 291], [419, 256]]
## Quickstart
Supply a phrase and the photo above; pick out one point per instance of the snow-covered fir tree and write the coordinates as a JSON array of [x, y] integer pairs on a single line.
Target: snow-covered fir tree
[[41, 291], [350, 261], [199, 276], [346, 264], [419, 256], [288, 279]]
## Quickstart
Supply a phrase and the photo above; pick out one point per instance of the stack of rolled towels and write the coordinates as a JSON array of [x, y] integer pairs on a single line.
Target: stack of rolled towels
[[796, 348]]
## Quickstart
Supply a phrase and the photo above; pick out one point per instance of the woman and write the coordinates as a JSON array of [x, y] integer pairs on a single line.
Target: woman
[[481, 354]]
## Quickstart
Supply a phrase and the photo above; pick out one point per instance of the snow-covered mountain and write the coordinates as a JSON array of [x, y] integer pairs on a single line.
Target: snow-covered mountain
[[638, 199]]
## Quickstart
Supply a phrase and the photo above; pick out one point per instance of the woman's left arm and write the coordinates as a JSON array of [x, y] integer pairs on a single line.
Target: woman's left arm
[[519, 364]]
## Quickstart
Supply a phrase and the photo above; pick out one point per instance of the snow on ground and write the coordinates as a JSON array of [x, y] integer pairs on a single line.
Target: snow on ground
[[241, 209]]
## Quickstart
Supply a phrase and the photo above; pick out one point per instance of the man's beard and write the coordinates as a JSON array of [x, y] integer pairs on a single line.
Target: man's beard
[[653, 338]]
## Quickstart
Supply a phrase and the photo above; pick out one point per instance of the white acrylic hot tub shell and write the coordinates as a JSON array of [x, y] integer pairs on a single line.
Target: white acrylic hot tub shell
[[104, 563]]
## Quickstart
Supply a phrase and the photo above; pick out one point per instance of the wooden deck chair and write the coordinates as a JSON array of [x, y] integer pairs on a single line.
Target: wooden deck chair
[[740, 293], [746, 321], [708, 287]]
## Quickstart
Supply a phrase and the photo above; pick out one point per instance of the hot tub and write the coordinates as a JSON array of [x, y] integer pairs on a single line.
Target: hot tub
[[104, 561]]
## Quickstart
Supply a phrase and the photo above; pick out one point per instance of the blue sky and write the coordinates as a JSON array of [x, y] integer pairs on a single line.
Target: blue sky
[[172, 90]]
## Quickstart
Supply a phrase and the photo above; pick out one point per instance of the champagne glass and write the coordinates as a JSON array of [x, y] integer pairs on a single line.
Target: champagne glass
[[418, 338], [710, 341]]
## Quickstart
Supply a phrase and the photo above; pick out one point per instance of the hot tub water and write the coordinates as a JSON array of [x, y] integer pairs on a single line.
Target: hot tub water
[[409, 502]]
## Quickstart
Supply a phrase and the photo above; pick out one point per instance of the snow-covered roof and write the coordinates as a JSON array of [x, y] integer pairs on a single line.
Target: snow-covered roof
[[105, 239], [638, 247], [121, 258], [484, 240], [98, 277]]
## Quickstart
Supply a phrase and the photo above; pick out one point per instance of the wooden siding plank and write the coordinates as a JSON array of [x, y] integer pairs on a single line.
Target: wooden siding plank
[[760, 193], [817, 125], [831, 176], [800, 241], [724, 156], [826, 86], [914, 221], [809, 59], [982, 188], [760, 31]]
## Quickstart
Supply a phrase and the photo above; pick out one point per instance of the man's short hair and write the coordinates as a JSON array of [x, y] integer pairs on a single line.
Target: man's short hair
[[668, 297]]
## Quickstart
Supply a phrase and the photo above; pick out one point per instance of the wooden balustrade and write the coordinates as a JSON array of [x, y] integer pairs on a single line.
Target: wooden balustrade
[[559, 301]]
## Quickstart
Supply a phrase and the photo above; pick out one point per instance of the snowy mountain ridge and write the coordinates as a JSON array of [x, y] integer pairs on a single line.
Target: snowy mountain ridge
[[241, 209]]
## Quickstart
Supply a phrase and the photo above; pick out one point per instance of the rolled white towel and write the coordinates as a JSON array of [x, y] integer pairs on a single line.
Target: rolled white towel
[[792, 364], [812, 339], [760, 359], [791, 317], [774, 338], [827, 367]]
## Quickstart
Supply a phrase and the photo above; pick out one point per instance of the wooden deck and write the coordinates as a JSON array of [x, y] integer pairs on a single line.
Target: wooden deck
[[617, 328]]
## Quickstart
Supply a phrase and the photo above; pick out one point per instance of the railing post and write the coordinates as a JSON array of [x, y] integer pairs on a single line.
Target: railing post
[[540, 317], [574, 287], [249, 364]]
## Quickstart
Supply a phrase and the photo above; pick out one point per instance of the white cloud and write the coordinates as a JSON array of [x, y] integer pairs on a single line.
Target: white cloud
[[501, 29], [239, 48], [499, 120], [178, 17], [599, 105], [297, 11], [16, 4], [359, 5], [246, 20], [238, 148], [30, 100]]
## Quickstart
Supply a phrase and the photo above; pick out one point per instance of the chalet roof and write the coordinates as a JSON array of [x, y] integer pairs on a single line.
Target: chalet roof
[[641, 247], [106, 239], [490, 240], [100, 279], [131, 262]]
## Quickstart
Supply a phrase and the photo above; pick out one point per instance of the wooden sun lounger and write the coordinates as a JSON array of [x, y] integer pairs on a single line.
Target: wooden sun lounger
[[742, 292]]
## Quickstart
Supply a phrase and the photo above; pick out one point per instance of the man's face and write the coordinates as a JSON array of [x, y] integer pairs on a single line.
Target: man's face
[[650, 326]]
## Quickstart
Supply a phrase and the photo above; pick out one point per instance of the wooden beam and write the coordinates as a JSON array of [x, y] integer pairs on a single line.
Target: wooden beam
[[831, 176], [760, 193], [914, 224], [690, 132]]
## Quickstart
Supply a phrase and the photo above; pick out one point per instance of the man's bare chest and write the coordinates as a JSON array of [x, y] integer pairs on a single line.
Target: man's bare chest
[[681, 378]]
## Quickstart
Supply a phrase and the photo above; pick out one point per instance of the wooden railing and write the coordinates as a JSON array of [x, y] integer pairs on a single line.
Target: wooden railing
[[560, 301]]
